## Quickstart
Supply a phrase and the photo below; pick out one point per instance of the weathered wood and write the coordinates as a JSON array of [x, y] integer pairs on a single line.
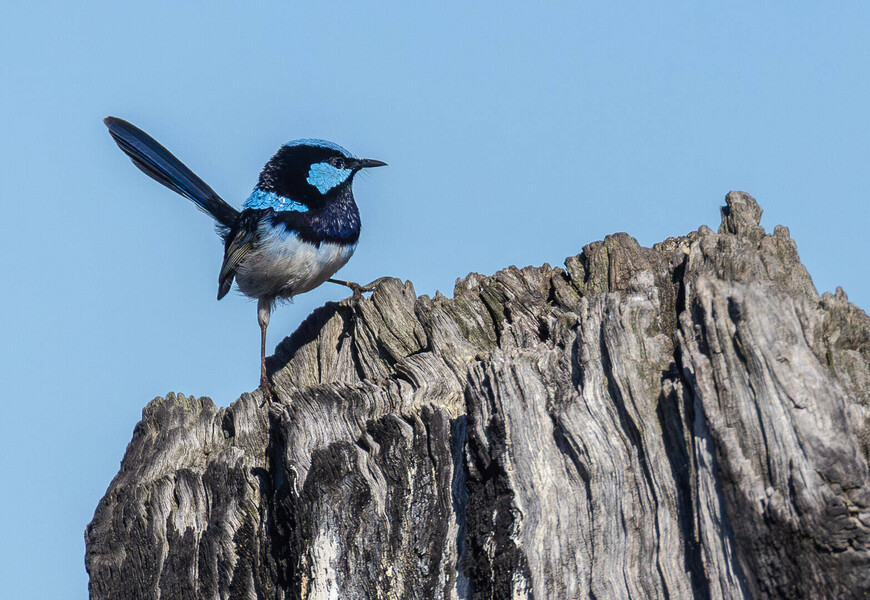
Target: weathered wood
[[684, 421]]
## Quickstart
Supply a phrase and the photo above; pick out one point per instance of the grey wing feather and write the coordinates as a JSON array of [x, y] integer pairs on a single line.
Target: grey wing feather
[[236, 253], [239, 245]]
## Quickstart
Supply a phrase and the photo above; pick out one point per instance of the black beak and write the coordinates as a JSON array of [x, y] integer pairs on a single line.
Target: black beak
[[364, 163]]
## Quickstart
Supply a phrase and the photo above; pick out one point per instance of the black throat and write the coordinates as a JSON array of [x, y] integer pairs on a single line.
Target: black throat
[[336, 220]]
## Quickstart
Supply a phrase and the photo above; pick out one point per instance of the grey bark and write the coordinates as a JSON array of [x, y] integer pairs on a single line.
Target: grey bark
[[689, 420]]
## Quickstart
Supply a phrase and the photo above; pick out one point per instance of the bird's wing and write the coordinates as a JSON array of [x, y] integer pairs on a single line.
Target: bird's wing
[[239, 243], [237, 249], [158, 163], [236, 253]]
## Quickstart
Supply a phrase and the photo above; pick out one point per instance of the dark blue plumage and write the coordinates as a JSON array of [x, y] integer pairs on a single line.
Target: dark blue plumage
[[298, 227], [158, 163]]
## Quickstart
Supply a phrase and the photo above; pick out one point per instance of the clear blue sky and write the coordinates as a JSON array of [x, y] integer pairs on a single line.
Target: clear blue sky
[[514, 136]]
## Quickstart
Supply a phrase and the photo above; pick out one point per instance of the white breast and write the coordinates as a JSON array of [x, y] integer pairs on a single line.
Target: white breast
[[282, 265]]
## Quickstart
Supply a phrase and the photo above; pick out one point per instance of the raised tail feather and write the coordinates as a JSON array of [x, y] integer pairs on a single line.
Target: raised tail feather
[[158, 163]]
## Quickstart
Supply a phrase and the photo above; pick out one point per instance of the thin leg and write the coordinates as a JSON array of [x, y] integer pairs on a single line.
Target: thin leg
[[264, 310]]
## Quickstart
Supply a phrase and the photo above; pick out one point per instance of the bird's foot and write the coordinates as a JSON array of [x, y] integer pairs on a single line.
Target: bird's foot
[[359, 290], [270, 392]]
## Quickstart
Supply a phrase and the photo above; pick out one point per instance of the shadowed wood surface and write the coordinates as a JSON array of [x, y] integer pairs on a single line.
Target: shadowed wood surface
[[689, 420]]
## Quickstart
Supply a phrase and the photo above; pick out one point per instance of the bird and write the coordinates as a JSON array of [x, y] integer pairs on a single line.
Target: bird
[[297, 228]]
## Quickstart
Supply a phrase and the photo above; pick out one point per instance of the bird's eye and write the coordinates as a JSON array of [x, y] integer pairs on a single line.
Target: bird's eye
[[338, 163]]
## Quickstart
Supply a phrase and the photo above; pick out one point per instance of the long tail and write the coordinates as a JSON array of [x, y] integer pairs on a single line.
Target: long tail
[[158, 163]]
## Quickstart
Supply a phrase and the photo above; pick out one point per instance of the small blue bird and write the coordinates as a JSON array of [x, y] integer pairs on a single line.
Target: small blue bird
[[298, 227]]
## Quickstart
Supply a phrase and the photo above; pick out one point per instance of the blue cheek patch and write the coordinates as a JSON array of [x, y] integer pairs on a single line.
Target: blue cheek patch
[[324, 176], [262, 200]]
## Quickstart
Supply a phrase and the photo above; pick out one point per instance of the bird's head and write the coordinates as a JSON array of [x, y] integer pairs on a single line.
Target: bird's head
[[309, 172]]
